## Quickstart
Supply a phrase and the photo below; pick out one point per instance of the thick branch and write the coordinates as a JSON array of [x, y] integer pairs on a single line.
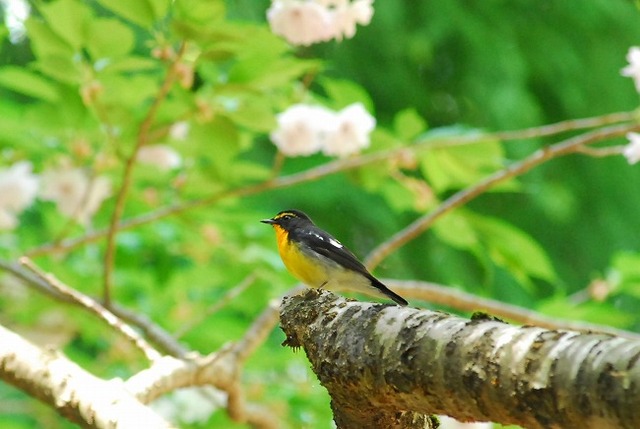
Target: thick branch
[[464, 301], [377, 358], [74, 393]]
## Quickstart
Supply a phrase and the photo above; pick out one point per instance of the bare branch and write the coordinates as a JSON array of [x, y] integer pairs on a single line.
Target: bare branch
[[220, 369], [569, 125], [71, 391], [95, 308], [601, 152], [152, 331]]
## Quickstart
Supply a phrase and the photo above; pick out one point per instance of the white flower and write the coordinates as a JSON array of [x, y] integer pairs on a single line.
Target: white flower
[[632, 150], [76, 195], [179, 130], [350, 131], [159, 155], [300, 22], [633, 69], [7, 220], [347, 15], [301, 129], [18, 189]]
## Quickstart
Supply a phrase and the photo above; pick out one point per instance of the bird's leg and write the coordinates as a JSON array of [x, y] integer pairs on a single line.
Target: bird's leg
[[323, 283]]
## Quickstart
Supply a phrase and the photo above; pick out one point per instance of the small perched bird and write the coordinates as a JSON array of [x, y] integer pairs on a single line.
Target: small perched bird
[[317, 259]]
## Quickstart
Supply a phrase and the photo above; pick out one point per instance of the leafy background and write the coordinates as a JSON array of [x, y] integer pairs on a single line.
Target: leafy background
[[426, 69]]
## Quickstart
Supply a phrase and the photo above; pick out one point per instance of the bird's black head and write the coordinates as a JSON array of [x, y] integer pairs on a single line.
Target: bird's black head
[[289, 219]]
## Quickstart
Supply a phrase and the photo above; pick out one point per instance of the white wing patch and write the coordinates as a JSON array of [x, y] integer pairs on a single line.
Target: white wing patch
[[334, 243]]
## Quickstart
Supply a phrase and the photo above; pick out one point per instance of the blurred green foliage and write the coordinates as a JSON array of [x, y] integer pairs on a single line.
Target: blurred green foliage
[[79, 86]]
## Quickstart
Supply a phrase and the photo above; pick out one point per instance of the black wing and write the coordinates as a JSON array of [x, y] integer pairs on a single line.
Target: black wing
[[327, 246]]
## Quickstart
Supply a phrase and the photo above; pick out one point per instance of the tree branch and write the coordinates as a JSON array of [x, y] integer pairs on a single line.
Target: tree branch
[[72, 392], [463, 301], [378, 360], [95, 308]]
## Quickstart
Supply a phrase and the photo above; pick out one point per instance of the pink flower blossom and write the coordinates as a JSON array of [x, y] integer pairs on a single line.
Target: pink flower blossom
[[161, 156], [18, 189], [76, 194]]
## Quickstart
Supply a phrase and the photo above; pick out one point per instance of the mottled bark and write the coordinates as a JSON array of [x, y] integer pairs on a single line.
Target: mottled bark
[[382, 362]]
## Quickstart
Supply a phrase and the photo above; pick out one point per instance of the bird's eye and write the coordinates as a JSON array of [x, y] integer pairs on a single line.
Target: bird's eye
[[286, 217]]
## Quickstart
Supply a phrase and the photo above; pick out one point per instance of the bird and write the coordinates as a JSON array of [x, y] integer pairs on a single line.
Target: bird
[[319, 260]]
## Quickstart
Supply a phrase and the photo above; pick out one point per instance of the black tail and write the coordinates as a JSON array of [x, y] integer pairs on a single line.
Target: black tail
[[387, 292]]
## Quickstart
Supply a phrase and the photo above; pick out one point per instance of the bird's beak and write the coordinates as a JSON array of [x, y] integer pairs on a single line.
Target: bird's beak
[[269, 221]]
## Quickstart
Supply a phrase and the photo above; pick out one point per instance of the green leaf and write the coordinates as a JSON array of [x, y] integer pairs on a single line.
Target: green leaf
[[108, 38], [625, 273], [343, 93], [202, 11], [59, 67], [408, 124], [456, 166], [139, 12], [512, 248], [159, 8], [215, 145], [28, 83], [45, 42], [456, 230], [4, 33], [129, 91], [131, 64], [595, 312], [254, 113], [263, 71], [212, 35], [68, 19]]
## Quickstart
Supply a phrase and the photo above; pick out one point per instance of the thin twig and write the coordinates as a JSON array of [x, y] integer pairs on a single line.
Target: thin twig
[[121, 198], [219, 304], [95, 308], [601, 152], [278, 162], [463, 301], [459, 199], [565, 126]]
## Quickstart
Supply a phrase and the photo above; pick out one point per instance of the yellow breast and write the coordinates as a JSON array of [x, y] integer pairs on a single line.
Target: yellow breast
[[305, 268]]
